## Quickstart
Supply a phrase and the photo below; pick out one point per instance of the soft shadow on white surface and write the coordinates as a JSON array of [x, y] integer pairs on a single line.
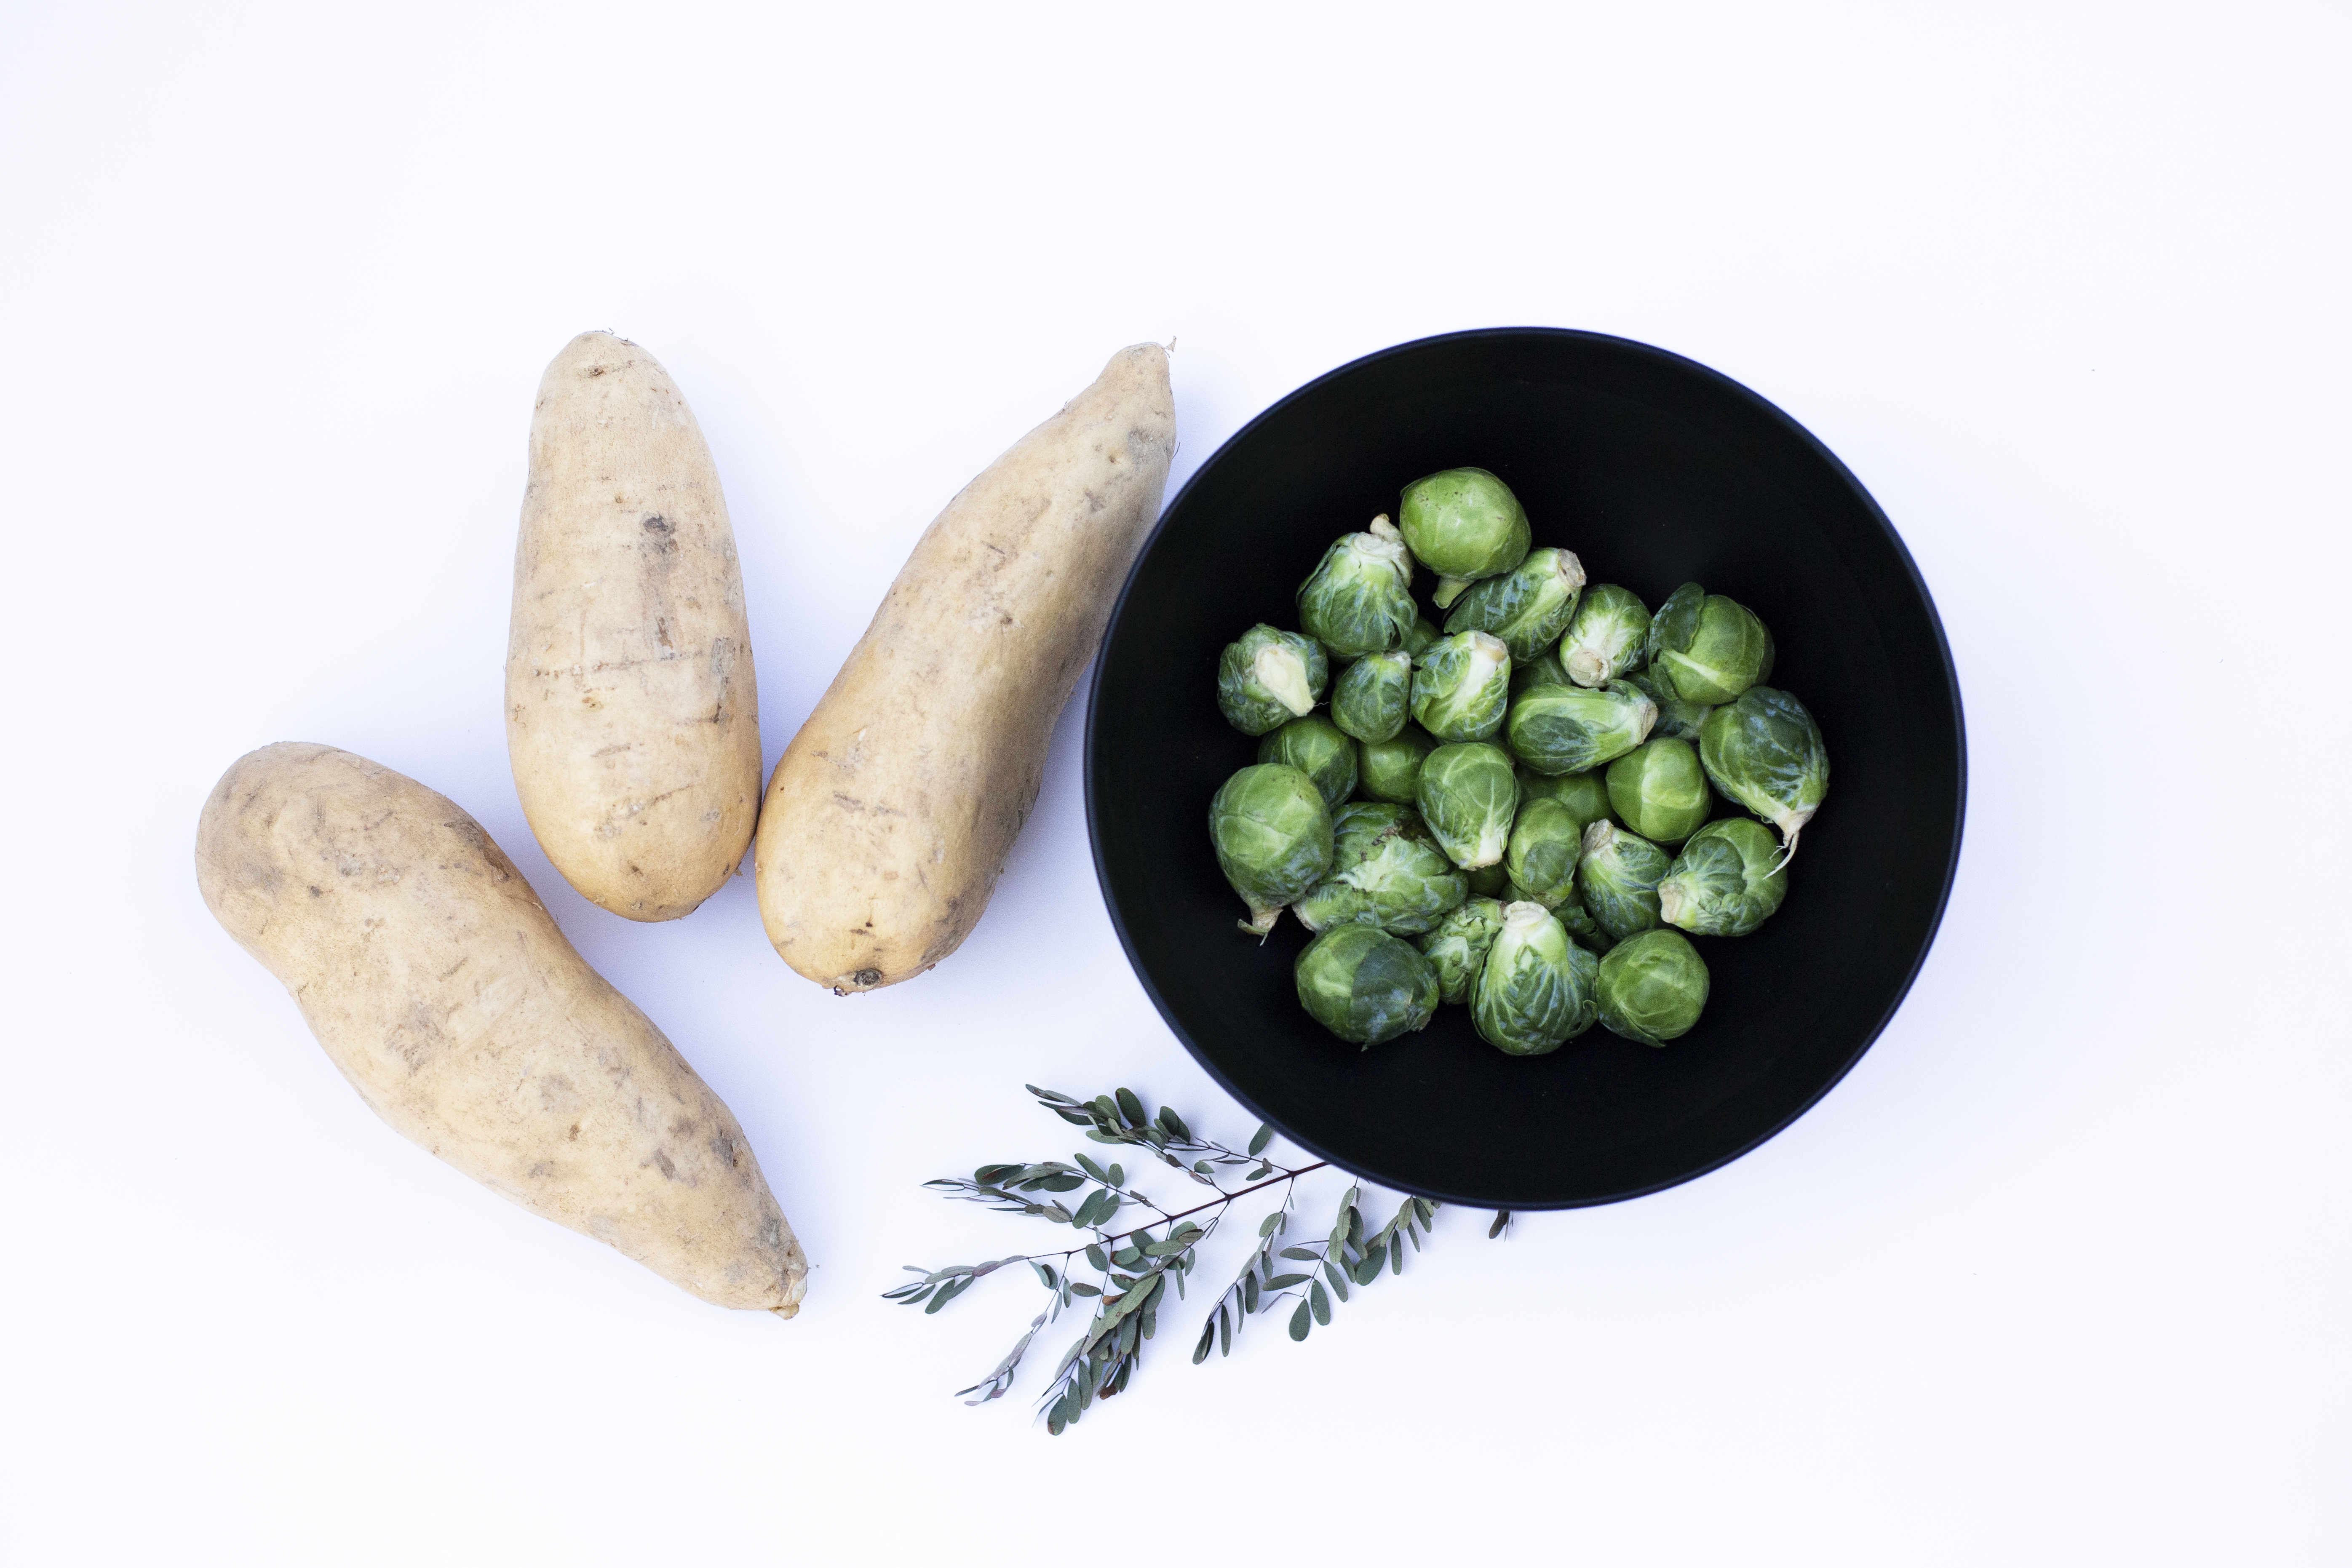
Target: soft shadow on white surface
[[2054, 1276]]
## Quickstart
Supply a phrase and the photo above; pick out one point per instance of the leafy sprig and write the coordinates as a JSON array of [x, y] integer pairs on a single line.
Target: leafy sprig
[[1132, 1268]]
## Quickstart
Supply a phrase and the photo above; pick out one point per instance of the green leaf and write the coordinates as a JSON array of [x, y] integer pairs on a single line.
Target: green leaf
[[988, 1175], [1169, 1248], [1338, 1280], [1284, 1281], [1132, 1109], [1224, 1330], [1128, 1257], [1049, 1094], [1061, 1184], [1117, 1176], [1263, 1136], [1396, 1258], [1090, 1168], [1082, 1289], [1249, 1291], [1175, 1124], [1368, 1269], [1271, 1224], [1502, 1221], [1095, 1256], [1298, 1324], [1303, 1254], [1203, 1168], [1208, 1339], [1044, 1276], [1322, 1304], [947, 1293], [1260, 1174]]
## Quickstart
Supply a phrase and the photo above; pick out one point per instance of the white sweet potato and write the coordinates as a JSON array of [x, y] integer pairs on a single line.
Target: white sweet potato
[[439, 984], [633, 717], [890, 816]]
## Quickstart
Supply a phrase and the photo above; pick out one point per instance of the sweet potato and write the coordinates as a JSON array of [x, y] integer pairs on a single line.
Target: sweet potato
[[439, 984], [633, 717], [890, 816]]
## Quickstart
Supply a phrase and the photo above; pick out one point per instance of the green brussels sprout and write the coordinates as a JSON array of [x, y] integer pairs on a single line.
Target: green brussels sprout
[[1571, 913], [1534, 993], [1462, 686], [1357, 600], [1652, 987], [1315, 746], [1386, 870], [1457, 948], [1765, 751], [1605, 639], [1463, 524], [1727, 881], [1419, 636], [1269, 678], [1391, 770], [1469, 796], [1583, 793], [1544, 669], [1709, 648], [1489, 881], [1370, 701], [1273, 834], [1677, 720], [1568, 729], [1365, 985], [1617, 876], [1545, 843], [1528, 606], [1659, 790]]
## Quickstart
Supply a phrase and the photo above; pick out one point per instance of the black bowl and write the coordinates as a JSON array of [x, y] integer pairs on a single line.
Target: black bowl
[[1655, 471]]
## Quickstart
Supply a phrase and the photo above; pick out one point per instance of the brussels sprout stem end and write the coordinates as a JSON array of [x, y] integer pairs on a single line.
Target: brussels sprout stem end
[[1261, 922], [1449, 589]]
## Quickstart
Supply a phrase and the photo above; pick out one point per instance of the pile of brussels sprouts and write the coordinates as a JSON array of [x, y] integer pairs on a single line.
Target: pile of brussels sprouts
[[1512, 812]]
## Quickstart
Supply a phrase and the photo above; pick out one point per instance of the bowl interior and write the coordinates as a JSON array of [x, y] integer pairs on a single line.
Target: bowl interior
[[1655, 471]]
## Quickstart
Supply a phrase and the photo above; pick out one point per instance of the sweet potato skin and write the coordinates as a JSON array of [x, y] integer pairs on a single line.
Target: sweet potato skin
[[890, 816], [633, 712], [444, 994]]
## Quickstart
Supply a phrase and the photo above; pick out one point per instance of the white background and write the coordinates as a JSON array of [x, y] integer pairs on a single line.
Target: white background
[[2057, 1275]]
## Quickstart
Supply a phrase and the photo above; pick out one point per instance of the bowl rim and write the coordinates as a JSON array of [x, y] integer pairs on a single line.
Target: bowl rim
[[1774, 414]]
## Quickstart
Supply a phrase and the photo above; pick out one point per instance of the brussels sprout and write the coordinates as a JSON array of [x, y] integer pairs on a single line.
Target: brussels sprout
[[1544, 669], [1652, 987], [1461, 686], [1356, 600], [1571, 913], [1489, 881], [1391, 770], [1617, 876], [1727, 881], [1528, 606], [1365, 985], [1534, 993], [1419, 636], [1457, 948], [1386, 870], [1546, 842], [1583, 793], [1567, 729], [1315, 746], [1677, 720], [1659, 791], [1469, 796], [1605, 639], [1273, 834], [1710, 648], [1766, 753], [1370, 701], [1269, 678], [1463, 524]]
